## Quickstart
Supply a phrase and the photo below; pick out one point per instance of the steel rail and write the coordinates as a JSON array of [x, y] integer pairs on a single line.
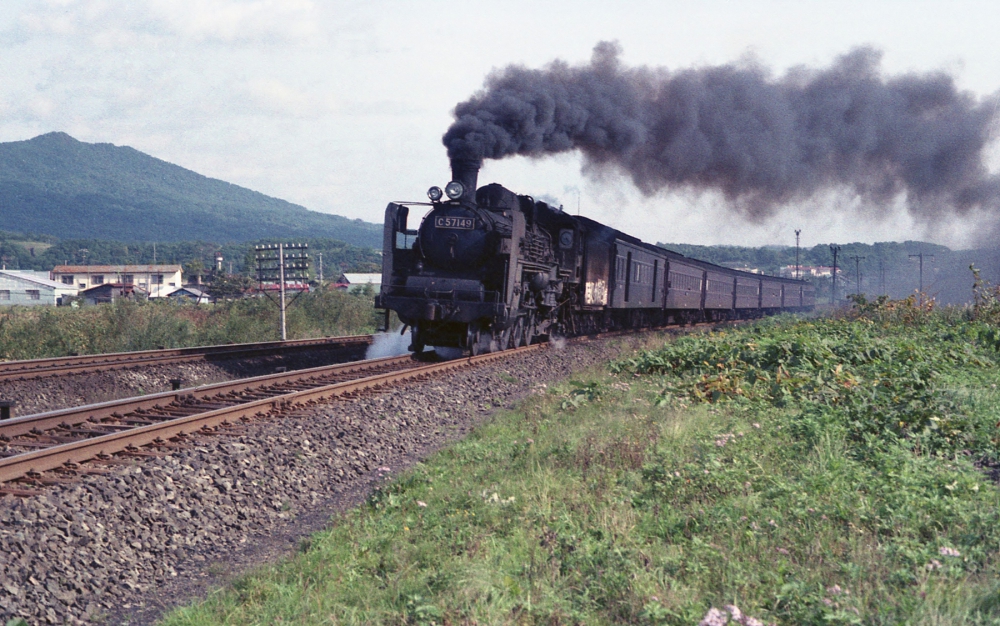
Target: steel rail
[[41, 422], [57, 456], [36, 368]]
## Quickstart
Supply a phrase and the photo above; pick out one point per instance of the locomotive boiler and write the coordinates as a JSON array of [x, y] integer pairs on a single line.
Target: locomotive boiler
[[488, 269]]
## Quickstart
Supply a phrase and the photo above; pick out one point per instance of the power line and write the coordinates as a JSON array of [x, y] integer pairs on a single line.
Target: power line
[[857, 270], [798, 268], [833, 285], [920, 293]]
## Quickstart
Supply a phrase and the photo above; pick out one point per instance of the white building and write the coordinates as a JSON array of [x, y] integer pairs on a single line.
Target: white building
[[816, 271], [353, 282], [156, 280], [31, 288]]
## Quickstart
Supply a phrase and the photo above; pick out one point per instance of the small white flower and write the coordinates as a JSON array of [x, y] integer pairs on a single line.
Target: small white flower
[[945, 551], [714, 617], [421, 504]]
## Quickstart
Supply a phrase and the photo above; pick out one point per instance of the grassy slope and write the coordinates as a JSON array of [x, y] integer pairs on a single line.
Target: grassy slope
[[809, 473]]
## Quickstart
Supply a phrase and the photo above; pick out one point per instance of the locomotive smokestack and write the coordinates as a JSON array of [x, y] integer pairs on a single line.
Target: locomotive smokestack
[[466, 171]]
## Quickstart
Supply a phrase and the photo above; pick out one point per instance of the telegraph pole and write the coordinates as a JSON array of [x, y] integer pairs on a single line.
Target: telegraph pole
[[798, 269], [920, 256], [274, 263], [833, 287], [281, 281], [321, 270], [857, 271]]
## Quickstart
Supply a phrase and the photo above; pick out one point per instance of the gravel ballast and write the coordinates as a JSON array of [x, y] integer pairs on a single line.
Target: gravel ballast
[[124, 546]]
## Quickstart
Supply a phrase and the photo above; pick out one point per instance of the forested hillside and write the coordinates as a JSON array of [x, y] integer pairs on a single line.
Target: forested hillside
[[40, 252], [56, 185]]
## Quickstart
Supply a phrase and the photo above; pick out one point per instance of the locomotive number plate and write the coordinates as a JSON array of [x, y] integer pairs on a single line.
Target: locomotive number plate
[[464, 223]]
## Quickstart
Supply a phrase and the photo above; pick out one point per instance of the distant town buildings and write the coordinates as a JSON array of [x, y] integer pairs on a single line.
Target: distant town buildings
[[353, 282], [191, 294], [109, 292], [815, 271], [743, 267], [31, 288], [154, 280]]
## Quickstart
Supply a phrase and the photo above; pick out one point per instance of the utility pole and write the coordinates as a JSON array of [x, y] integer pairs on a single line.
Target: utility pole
[[857, 271], [281, 282], [274, 263], [321, 270], [920, 298], [798, 268], [833, 287]]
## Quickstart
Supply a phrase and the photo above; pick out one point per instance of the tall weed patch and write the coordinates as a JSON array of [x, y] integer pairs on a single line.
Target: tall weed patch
[[792, 472], [883, 420], [39, 332]]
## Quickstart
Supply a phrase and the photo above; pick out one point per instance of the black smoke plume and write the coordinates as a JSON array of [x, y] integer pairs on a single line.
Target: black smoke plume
[[761, 140]]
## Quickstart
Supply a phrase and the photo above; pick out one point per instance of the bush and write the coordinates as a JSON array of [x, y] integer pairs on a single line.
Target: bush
[[40, 332]]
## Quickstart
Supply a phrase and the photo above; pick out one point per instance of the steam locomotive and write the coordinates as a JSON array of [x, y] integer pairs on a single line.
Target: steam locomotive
[[488, 270]]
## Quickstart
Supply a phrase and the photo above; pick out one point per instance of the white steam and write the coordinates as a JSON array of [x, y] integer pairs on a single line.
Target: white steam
[[388, 344]]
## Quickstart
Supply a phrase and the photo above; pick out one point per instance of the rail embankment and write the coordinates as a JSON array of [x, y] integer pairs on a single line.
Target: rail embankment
[[793, 472]]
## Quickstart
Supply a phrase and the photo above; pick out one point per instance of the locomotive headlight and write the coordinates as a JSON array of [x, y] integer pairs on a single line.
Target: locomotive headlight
[[434, 193], [454, 189]]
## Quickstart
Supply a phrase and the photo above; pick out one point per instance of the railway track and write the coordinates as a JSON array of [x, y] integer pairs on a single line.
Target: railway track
[[59, 366], [63, 439]]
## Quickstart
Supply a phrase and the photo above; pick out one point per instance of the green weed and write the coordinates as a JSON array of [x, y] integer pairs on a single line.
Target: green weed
[[806, 472], [39, 332]]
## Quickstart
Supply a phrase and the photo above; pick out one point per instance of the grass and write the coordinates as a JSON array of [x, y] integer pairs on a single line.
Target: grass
[[39, 332], [806, 472]]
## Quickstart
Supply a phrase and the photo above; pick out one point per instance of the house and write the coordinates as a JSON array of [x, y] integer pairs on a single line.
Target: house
[[190, 294], [743, 267], [30, 288], [816, 271], [354, 282], [155, 280], [109, 292]]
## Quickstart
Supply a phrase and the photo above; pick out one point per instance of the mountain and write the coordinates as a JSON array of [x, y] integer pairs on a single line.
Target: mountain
[[56, 185]]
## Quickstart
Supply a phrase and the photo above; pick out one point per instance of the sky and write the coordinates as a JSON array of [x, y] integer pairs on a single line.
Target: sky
[[340, 106]]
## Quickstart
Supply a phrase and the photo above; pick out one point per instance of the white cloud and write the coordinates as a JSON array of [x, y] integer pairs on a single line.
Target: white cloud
[[274, 96], [340, 104], [182, 21], [232, 21]]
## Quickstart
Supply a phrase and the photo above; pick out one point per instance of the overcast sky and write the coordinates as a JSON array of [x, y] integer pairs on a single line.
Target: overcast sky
[[340, 106]]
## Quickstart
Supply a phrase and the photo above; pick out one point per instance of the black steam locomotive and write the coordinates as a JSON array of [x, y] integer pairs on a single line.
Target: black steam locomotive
[[489, 270]]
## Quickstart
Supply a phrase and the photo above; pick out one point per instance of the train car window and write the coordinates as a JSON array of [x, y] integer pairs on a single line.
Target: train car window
[[684, 282], [628, 274], [656, 268]]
